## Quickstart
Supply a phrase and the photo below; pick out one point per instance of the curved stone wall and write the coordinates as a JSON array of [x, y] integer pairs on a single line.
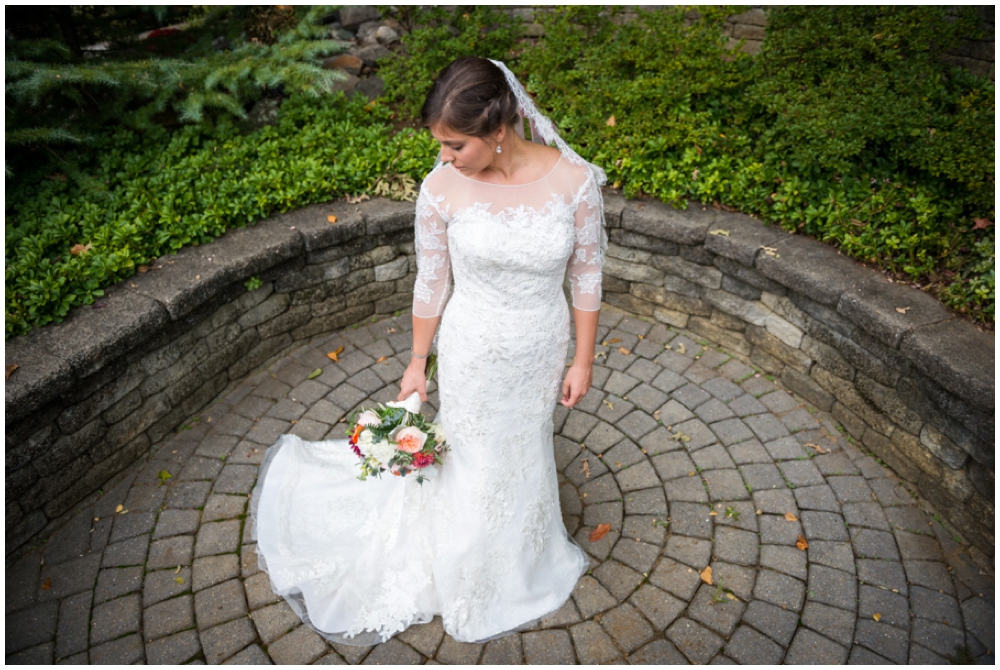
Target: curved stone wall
[[912, 383], [92, 394]]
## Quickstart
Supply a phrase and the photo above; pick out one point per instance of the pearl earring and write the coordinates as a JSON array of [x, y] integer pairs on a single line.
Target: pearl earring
[[498, 149]]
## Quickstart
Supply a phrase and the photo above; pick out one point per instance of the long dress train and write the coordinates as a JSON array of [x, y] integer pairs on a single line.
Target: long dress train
[[483, 543]]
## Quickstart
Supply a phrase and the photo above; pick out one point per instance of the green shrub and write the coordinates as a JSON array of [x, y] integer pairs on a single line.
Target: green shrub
[[439, 38], [163, 191], [848, 127]]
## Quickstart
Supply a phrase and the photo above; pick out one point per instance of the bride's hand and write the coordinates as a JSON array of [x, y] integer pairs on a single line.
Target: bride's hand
[[577, 383], [414, 379]]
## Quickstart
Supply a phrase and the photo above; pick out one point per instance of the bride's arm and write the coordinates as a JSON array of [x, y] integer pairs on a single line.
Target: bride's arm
[[414, 378], [430, 290], [585, 278], [580, 375]]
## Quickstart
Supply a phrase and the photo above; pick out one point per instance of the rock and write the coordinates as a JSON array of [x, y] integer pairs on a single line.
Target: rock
[[367, 30], [386, 35], [348, 63], [339, 33], [373, 87], [371, 54], [351, 17], [264, 113], [347, 84]]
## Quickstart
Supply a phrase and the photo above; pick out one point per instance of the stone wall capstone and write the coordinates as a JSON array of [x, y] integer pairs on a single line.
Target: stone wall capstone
[[904, 377]]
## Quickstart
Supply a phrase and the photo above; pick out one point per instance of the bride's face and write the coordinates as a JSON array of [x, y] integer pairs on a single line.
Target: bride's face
[[466, 153]]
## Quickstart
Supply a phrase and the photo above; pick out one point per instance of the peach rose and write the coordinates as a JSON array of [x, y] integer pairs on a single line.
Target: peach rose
[[410, 439]]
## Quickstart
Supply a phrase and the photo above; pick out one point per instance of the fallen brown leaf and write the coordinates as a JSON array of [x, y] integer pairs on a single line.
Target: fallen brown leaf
[[119, 509], [817, 448], [47, 584], [801, 544], [713, 513], [877, 616], [332, 218], [334, 355], [790, 517], [598, 534], [585, 468], [981, 224], [624, 351], [706, 575], [680, 348], [903, 310], [614, 340], [10, 369], [381, 358]]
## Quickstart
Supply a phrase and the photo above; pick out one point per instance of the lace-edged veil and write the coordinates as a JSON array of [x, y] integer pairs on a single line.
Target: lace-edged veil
[[543, 131]]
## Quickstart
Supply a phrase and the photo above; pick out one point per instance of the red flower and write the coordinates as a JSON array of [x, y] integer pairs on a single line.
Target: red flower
[[422, 460]]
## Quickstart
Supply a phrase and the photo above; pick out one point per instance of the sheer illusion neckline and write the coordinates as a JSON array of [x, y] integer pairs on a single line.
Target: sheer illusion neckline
[[527, 183]]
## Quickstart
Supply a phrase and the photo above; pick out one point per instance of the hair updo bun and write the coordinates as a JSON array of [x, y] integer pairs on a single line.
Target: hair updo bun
[[471, 97]]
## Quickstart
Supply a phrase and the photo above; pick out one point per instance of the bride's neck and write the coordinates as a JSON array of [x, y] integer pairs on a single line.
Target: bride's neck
[[515, 158]]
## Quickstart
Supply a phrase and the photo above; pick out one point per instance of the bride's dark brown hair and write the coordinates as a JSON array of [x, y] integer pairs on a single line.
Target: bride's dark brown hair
[[470, 97]]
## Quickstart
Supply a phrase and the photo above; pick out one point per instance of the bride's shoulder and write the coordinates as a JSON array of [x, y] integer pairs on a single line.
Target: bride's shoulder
[[438, 179]]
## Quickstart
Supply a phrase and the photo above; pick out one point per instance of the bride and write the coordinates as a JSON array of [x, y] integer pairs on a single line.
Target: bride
[[500, 221]]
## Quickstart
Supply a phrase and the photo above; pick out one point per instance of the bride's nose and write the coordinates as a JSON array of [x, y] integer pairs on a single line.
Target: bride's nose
[[447, 155]]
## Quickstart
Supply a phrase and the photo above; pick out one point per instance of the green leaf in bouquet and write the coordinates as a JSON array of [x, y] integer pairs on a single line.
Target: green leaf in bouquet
[[432, 366]]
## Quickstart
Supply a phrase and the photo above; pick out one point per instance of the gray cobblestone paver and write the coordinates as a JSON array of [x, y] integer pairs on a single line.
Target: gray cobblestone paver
[[693, 463]]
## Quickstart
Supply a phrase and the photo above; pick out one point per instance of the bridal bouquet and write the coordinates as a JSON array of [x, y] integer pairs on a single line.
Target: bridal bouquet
[[395, 437]]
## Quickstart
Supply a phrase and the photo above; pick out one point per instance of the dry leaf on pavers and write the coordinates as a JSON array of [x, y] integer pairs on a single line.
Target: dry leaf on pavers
[[770, 251], [790, 517], [179, 580], [381, 358], [143, 269], [719, 231], [731, 596], [332, 218], [119, 509], [668, 346], [598, 534], [163, 476], [624, 351], [390, 331], [585, 468], [681, 349], [608, 403], [817, 448], [315, 373], [801, 544], [681, 437], [713, 513], [614, 340], [47, 584], [177, 570], [903, 310], [877, 616], [10, 369], [706, 575], [600, 354]]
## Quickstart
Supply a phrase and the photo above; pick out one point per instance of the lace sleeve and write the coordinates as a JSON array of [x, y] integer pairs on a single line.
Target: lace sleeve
[[430, 291], [588, 253]]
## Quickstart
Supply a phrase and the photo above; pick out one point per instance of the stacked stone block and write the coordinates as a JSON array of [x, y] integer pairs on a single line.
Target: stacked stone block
[[905, 377], [93, 393]]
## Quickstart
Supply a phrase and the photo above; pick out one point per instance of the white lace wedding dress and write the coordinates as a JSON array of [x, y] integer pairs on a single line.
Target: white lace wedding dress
[[483, 543]]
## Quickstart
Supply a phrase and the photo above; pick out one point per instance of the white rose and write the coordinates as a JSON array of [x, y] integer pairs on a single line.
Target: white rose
[[411, 404], [365, 441], [438, 432], [369, 418], [383, 452]]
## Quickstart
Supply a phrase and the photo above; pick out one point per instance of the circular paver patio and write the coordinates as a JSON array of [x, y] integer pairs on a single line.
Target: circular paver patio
[[817, 552]]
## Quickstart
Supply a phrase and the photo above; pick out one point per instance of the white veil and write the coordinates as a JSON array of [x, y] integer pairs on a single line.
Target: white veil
[[543, 131]]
